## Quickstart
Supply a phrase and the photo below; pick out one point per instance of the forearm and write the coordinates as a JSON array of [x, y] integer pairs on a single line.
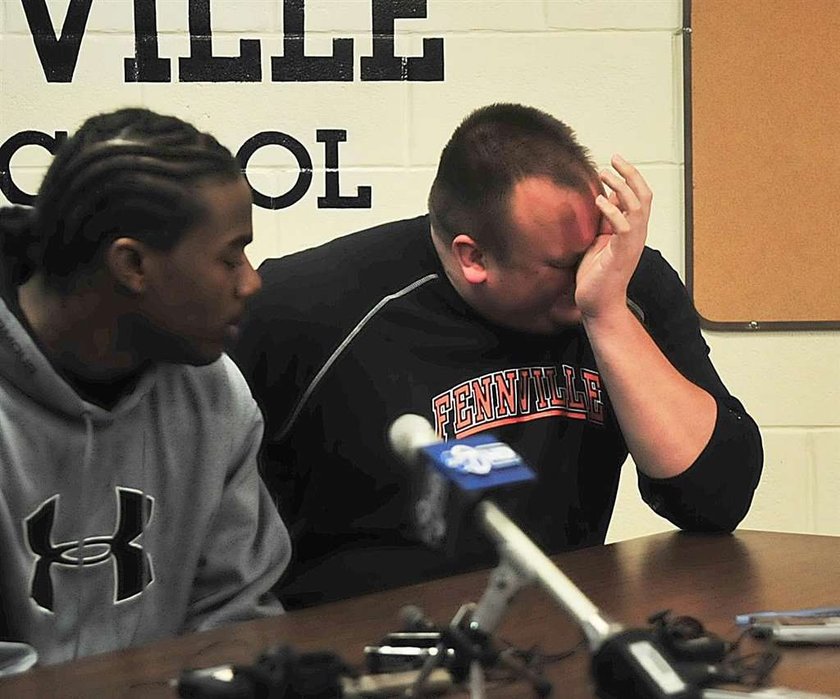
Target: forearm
[[715, 494], [666, 420]]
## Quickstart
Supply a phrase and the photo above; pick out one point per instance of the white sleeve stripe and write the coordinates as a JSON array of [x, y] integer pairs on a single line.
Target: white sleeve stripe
[[287, 426]]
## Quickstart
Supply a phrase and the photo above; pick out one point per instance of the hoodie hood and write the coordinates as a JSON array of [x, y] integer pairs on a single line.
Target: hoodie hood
[[24, 366]]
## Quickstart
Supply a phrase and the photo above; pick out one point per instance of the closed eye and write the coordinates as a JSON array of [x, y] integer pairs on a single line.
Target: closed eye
[[234, 261], [233, 255]]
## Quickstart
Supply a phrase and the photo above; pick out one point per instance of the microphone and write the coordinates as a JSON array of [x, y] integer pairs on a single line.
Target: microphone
[[449, 478], [454, 476], [409, 433], [456, 491]]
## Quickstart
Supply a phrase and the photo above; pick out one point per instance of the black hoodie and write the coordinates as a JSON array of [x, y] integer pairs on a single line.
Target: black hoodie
[[346, 337]]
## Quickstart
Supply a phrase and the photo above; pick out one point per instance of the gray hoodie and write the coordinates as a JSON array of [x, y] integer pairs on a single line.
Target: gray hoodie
[[119, 527]]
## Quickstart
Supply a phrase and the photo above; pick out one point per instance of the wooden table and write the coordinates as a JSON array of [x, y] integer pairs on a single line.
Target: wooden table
[[712, 578]]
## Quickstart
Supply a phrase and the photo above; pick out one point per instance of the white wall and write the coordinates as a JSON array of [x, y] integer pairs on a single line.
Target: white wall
[[611, 68]]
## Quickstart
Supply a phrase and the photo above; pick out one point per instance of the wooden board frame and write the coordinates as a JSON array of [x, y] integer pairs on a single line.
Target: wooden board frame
[[743, 273]]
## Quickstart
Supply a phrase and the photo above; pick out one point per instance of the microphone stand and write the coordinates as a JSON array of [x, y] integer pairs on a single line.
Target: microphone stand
[[514, 545], [625, 663], [470, 635]]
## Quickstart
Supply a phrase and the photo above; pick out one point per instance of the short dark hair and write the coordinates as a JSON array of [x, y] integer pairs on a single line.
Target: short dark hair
[[491, 150], [129, 172]]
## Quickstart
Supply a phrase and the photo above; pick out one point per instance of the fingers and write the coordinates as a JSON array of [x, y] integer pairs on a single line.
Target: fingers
[[606, 226], [613, 216], [631, 188], [628, 204]]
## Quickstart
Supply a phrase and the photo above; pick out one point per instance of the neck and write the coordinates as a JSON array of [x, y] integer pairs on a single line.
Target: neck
[[79, 330]]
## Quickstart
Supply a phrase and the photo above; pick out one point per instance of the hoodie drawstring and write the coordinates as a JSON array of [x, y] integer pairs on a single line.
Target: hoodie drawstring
[[87, 460]]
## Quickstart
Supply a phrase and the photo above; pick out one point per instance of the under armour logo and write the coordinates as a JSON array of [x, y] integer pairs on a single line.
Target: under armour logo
[[132, 566]]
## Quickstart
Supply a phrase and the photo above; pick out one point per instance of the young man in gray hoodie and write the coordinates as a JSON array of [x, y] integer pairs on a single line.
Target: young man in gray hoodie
[[130, 504]]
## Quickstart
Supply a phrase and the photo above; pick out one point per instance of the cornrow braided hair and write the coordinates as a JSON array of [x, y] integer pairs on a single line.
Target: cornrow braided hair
[[130, 172], [16, 245]]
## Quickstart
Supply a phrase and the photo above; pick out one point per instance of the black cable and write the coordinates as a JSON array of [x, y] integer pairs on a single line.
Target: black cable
[[534, 657]]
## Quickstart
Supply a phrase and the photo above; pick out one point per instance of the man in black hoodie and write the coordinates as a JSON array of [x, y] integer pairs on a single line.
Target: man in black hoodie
[[527, 303]]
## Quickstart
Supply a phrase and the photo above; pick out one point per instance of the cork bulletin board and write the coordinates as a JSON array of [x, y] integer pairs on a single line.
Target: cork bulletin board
[[762, 92]]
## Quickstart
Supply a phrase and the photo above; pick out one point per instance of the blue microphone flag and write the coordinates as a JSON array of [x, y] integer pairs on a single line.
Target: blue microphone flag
[[479, 462]]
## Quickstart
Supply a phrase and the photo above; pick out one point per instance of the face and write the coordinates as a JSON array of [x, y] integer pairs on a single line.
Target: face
[[196, 292], [533, 288]]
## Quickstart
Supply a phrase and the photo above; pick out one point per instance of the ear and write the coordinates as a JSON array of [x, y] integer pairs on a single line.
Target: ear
[[470, 258], [127, 260]]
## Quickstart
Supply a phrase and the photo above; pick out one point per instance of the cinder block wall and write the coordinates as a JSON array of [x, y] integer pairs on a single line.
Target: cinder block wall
[[611, 68]]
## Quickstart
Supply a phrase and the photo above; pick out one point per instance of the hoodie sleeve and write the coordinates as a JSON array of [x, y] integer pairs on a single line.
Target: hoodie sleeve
[[245, 549], [715, 492]]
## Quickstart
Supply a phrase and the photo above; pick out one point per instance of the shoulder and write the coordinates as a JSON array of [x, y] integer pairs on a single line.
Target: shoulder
[[655, 287], [339, 279], [653, 269], [217, 391], [346, 255]]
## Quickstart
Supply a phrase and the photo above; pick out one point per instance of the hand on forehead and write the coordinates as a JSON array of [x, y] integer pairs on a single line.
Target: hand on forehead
[[542, 209]]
